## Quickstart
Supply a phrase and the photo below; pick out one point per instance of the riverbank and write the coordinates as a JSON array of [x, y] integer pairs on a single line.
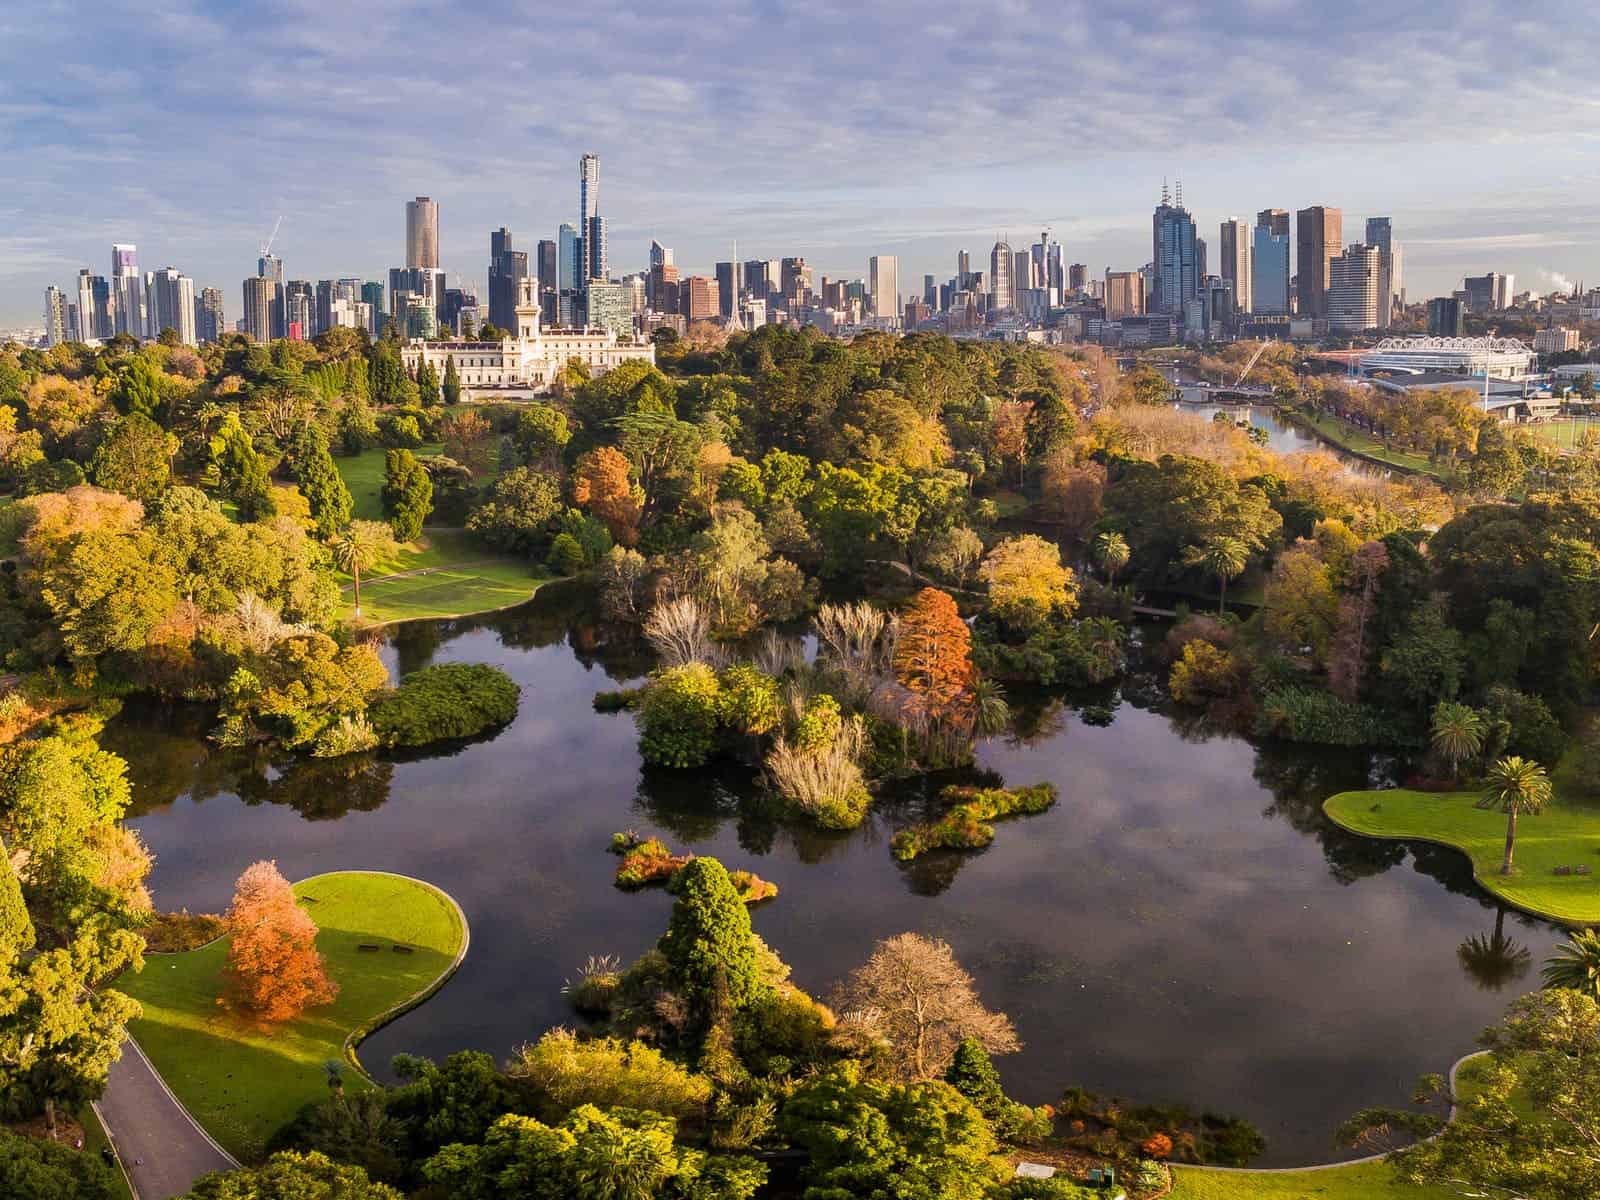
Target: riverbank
[[1362, 445], [243, 1080], [443, 574], [1564, 835]]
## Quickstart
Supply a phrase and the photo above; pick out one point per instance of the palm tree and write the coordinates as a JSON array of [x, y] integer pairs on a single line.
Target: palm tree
[[1457, 733], [1493, 960], [1515, 786], [991, 713], [1223, 556], [1103, 638], [1575, 964], [1112, 552], [361, 546]]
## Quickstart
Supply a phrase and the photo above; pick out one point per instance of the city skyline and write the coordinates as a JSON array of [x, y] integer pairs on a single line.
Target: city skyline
[[917, 180]]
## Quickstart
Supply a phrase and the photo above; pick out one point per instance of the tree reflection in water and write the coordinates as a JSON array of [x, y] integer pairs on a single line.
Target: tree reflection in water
[[1494, 960]]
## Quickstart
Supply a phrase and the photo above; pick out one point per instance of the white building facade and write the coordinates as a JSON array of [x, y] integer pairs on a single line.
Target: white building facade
[[530, 360]]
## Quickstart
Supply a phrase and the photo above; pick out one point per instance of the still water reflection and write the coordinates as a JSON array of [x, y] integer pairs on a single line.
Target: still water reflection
[[1184, 925]]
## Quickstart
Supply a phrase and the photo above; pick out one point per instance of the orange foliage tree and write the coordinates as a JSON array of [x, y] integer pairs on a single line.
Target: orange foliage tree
[[601, 485], [274, 971], [932, 658]]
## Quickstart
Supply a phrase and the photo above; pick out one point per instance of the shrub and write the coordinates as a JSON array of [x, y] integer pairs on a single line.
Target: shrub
[[824, 783], [966, 827], [709, 948], [607, 1073], [1204, 672], [1299, 714], [617, 701], [678, 717], [1157, 1145], [171, 933], [598, 980], [449, 700], [347, 735], [752, 888], [566, 555], [749, 701], [783, 1031], [648, 862]]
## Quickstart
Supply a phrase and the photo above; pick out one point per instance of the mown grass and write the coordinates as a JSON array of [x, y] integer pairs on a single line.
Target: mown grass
[[363, 475], [464, 577], [1565, 834], [1360, 1181], [243, 1080], [1344, 434]]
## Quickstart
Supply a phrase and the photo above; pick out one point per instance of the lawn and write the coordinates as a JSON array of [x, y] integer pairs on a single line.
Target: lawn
[[363, 475], [463, 577], [1565, 834], [242, 1080], [1564, 432], [1361, 1181], [1342, 433]]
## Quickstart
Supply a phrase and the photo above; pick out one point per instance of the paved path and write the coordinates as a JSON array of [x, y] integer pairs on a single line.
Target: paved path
[[162, 1148]]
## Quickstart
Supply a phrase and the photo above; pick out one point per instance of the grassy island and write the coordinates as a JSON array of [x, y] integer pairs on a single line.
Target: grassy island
[[1564, 835], [243, 1080]]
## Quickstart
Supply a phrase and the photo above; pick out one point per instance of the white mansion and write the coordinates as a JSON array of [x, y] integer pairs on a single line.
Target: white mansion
[[529, 360]]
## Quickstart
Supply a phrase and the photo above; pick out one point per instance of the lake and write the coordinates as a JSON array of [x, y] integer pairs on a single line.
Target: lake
[[1183, 926]]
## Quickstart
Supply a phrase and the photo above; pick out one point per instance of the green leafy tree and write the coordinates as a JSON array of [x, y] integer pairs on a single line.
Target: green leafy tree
[[678, 716], [708, 944], [452, 381], [1575, 964], [407, 494], [972, 1073], [16, 927], [1457, 732], [135, 459], [36, 1169], [387, 376], [1515, 786], [1111, 552], [1425, 662], [292, 1175], [243, 471], [138, 388], [518, 513], [321, 484], [428, 385], [541, 435]]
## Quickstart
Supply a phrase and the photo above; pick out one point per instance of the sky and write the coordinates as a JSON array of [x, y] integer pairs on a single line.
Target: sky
[[829, 130]]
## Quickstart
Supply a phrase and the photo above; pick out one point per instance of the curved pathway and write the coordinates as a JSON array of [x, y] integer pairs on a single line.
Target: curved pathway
[[162, 1148]]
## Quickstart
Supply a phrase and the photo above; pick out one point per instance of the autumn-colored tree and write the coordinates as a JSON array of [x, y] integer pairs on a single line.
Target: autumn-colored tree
[[602, 485], [1009, 432], [932, 657], [274, 970]]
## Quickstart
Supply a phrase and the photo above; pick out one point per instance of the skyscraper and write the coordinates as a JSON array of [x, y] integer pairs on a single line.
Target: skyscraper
[[1352, 296], [548, 276], [1175, 257], [172, 301], [209, 322], [1319, 232], [1078, 277], [570, 246], [1275, 219], [372, 295], [261, 305], [930, 292], [507, 269], [963, 271], [662, 291], [1124, 294], [1234, 244], [93, 307], [728, 288], [1269, 266], [1002, 289], [128, 289], [422, 233], [1380, 233], [269, 267], [883, 285], [590, 258], [55, 316]]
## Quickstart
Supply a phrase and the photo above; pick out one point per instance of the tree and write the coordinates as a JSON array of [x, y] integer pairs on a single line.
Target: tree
[[274, 971], [452, 381], [135, 459], [407, 494], [914, 995], [541, 435], [1112, 553], [321, 484], [518, 513], [1027, 583], [603, 486], [138, 388], [1144, 385], [1457, 732], [1515, 786], [1528, 1129], [932, 657], [360, 547], [1301, 607], [36, 1169], [387, 375], [16, 927], [428, 385], [243, 471], [1222, 556], [291, 1175], [708, 944], [1575, 964]]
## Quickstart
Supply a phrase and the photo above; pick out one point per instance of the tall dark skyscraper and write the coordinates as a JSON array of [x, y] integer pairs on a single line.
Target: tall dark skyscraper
[[1176, 257], [591, 236], [729, 282], [547, 268], [507, 269], [1319, 237]]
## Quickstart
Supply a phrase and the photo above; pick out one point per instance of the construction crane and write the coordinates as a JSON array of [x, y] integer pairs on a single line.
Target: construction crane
[[1254, 358], [266, 246]]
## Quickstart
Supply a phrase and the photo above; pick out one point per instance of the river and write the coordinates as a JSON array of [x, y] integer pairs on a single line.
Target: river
[[1184, 926]]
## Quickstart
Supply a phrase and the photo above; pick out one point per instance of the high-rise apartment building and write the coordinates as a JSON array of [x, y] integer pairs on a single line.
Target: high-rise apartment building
[[1077, 278], [209, 322], [507, 269], [1275, 219], [372, 295], [1319, 232], [761, 278], [128, 290], [883, 286], [55, 316], [591, 258], [1446, 317], [422, 233], [1124, 294], [1380, 233], [930, 293], [1269, 265], [1234, 245], [1175, 258], [547, 267], [262, 303], [1488, 293], [1353, 285], [270, 267], [172, 303], [963, 271], [1002, 286], [570, 249], [699, 299], [95, 312]]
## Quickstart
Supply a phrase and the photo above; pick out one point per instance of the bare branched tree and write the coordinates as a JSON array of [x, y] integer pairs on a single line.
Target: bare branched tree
[[913, 994], [680, 633]]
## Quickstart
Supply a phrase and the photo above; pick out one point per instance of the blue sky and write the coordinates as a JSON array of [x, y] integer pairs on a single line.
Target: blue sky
[[830, 130]]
